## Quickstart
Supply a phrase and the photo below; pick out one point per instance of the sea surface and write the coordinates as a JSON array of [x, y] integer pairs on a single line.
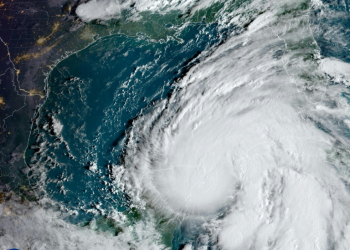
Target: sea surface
[[94, 95], [219, 128]]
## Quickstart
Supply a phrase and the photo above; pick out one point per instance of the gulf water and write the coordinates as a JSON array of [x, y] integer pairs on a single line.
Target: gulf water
[[95, 94]]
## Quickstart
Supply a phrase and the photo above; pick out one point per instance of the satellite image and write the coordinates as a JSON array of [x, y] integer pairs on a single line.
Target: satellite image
[[174, 125]]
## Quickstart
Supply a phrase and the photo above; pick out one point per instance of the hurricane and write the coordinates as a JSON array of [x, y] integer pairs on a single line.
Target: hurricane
[[243, 140], [194, 125]]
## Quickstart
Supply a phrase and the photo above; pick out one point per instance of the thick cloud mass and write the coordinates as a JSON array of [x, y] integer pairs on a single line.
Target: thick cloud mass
[[108, 9], [243, 131], [25, 226], [99, 10], [252, 145]]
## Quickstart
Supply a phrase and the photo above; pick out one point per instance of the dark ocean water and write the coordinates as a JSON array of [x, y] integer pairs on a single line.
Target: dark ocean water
[[331, 29], [94, 95]]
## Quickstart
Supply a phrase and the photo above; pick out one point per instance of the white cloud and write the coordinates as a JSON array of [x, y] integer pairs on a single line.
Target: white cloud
[[108, 9], [236, 134], [57, 126], [26, 226], [99, 10]]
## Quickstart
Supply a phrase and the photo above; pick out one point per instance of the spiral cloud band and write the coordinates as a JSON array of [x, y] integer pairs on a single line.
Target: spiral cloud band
[[241, 134]]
